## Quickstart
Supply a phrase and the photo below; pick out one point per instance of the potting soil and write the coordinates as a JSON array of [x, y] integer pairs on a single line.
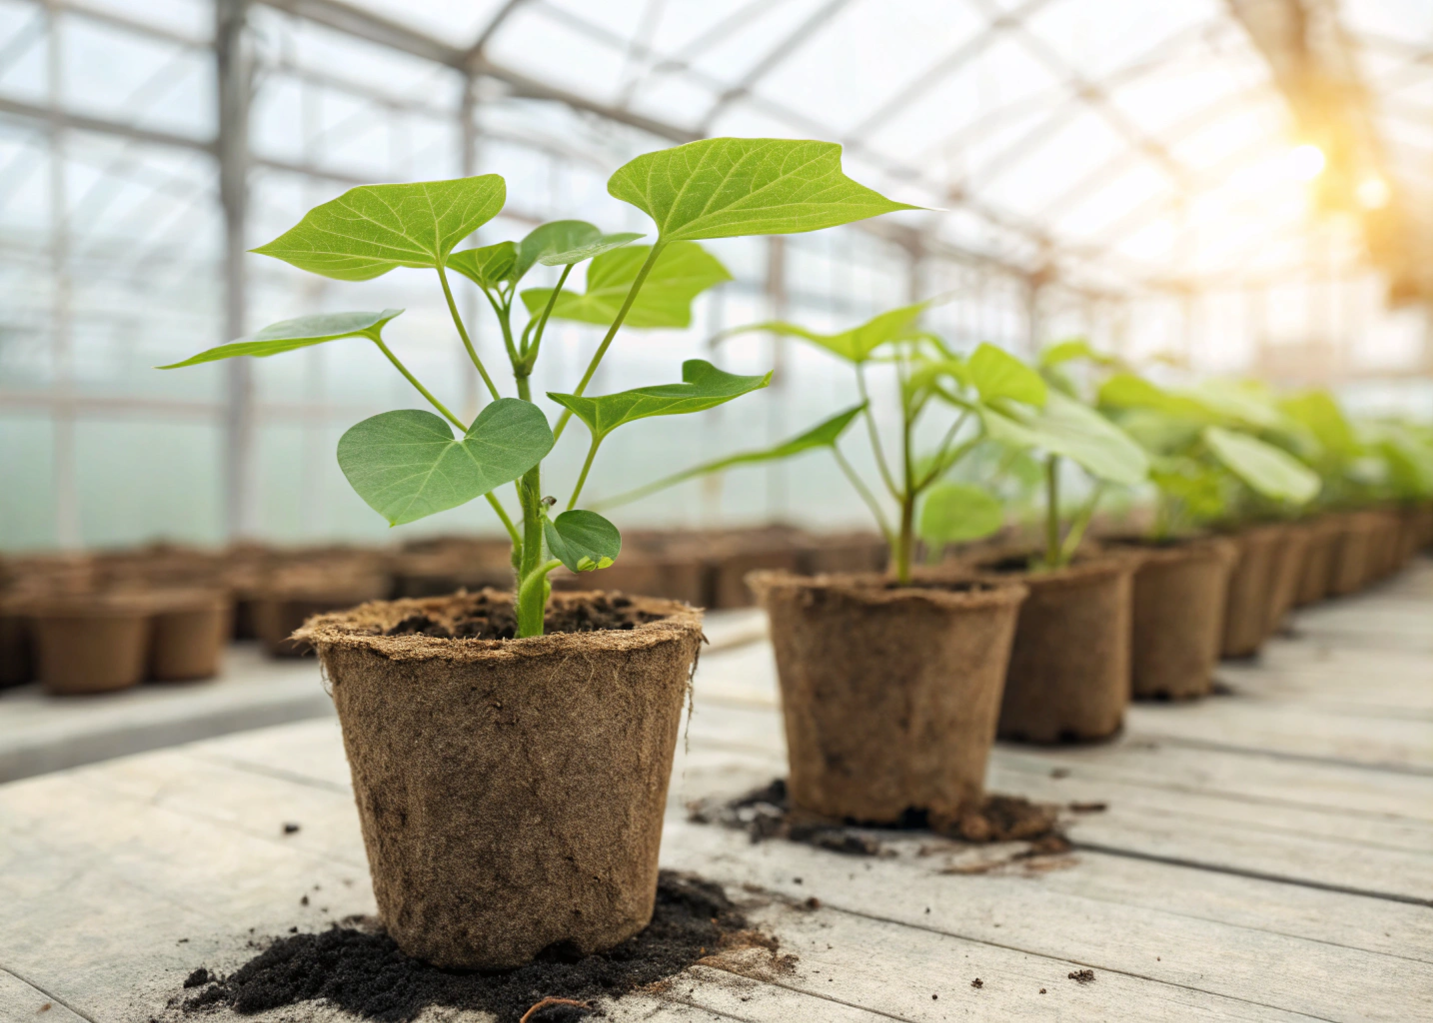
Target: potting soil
[[484, 618]]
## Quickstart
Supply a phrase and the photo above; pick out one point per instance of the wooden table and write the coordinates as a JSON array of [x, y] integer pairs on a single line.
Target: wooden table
[[1265, 855]]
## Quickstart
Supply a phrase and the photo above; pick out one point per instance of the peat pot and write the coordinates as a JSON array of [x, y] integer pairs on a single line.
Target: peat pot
[[16, 658], [290, 598], [510, 791], [91, 644], [1287, 573], [1069, 677], [1350, 568], [1177, 615], [1246, 611], [190, 630], [1314, 577], [889, 694]]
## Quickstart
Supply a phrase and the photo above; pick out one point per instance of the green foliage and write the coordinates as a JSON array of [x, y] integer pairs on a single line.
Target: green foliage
[[487, 267], [1068, 428], [681, 272], [1262, 467], [703, 386], [301, 332], [371, 229], [1318, 412], [996, 375], [583, 540], [727, 187], [1074, 349], [563, 243], [1128, 391], [408, 465], [854, 345], [958, 512]]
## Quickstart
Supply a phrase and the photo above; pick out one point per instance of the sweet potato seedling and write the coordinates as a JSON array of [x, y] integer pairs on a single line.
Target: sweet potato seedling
[[408, 464], [989, 382]]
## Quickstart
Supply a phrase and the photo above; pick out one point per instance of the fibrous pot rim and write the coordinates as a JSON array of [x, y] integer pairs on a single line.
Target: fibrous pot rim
[[344, 630], [873, 588]]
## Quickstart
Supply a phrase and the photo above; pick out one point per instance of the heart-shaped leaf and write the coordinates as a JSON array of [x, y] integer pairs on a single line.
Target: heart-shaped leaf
[[703, 386], [408, 465], [1075, 348], [1127, 391], [998, 374], [371, 229], [856, 344], [1262, 467], [563, 243], [725, 187], [1069, 428], [956, 512], [1319, 412], [486, 267], [1239, 401], [682, 272], [582, 540], [301, 332]]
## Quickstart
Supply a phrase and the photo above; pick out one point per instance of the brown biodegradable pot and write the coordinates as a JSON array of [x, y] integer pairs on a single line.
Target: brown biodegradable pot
[[889, 695], [282, 606], [843, 552], [91, 644], [1178, 615], [191, 628], [510, 792], [1288, 572], [1069, 677], [1246, 610], [730, 568], [16, 658], [1318, 560], [1383, 548], [1349, 571], [663, 576]]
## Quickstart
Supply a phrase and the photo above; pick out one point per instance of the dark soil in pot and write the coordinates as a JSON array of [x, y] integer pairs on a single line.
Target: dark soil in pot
[[1349, 571], [360, 970], [1069, 677], [1318, 561], [282, 606], [510, 791], [191, 628], [1288, 573], [889, 694], [91, 644], [1246, 611], [1178, 615]]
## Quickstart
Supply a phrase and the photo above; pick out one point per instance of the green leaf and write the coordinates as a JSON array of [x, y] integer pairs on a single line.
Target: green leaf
[[725, 187], [301, 332], [1071, 429], [1262, 467], [1127, 391], [703, 386], [856, 344], [681, 273], [998, 374], [956, 512], [486, 267], [371, 229], [582, 540], [1202, 492], [565, 242], [407, 464], [1241, 401], [1074, 348], [1319, 412]]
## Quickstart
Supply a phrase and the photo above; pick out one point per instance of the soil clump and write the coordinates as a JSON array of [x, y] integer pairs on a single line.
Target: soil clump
[[359, 969], [480, 617]]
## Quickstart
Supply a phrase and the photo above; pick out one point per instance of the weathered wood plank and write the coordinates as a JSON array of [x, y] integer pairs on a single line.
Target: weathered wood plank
[[21, 1003]]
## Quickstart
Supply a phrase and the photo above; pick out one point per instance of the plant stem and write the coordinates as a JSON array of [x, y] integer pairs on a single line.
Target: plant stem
[[866, 495], [1052, 511], [875, 435], [463, 332], [637, 283], [939, 464], [421, 389], [529, 355], [1081, 523], [586, 467], [908, 496], [507, 522], [531, 600]]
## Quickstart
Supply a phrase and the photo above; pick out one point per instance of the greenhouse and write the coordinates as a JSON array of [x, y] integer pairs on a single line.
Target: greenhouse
[[536, 510]]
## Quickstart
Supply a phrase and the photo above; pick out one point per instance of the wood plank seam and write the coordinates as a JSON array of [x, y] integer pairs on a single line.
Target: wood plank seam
[[1390, 767], [54, 998]]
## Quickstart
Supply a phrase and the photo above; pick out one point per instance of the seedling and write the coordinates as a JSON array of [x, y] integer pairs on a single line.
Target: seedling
[[989, 385], [408, 464], [1209, 464]]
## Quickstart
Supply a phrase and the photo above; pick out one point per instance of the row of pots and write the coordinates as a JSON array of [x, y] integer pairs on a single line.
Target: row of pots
[[891, 696]]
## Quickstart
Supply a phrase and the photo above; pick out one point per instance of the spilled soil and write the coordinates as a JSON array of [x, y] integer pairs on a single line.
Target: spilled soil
[[484, 618], [358, 968], [766, 813]]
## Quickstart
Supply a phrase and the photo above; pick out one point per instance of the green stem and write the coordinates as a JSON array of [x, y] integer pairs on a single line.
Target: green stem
[[875, 436], [529, 356], [586, 468], [421, 389], [463, 332], [908, 497], [503, 514], [939, 464], [866, 496], [637, 283], [532, 591], [531, 600], [1052, 511], [1081, 523]]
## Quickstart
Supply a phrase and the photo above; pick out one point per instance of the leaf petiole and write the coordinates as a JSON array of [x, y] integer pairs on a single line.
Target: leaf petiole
[[463, 332], [586, 468], [530, 357], [443, 409], [507, 522]]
